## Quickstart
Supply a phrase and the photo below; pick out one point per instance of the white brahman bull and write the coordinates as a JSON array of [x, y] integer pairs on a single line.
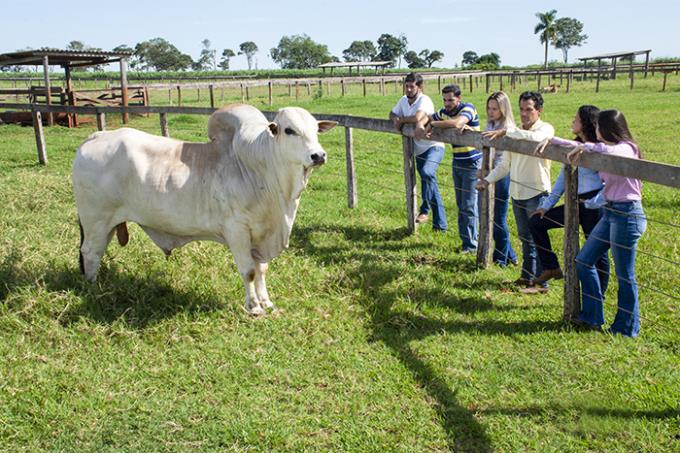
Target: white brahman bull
[[241, 189]]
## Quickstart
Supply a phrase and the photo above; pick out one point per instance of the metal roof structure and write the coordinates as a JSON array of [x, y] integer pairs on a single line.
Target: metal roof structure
[[72, 58], [616, 55]]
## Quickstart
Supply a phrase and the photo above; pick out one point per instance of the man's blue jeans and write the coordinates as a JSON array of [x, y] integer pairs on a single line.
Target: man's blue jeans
[[503, 252], [620, 228], [464, 180], [427, 164], [522, 209]]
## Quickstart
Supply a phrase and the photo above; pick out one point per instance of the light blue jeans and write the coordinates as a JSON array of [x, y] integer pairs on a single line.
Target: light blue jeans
[[620, 228], [464, 173], [503, 253]]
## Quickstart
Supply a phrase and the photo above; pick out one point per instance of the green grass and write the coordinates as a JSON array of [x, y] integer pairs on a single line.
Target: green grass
[[383, 341]]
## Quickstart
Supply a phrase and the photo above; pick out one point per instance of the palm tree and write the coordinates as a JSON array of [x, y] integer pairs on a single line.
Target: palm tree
[[548, 31]]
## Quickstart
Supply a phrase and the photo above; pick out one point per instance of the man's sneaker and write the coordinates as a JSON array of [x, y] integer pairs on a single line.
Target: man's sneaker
[[522, 282], [549, 274], [536, 289], [422, 218]]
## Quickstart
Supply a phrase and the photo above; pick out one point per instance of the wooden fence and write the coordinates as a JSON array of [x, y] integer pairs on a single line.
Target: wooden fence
[[664, 174]]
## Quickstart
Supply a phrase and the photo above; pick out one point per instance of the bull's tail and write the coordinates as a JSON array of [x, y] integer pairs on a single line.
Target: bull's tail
[[122, 234], [80, 249]]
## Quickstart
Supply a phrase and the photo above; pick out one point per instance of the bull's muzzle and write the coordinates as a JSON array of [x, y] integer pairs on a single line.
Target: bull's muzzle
[[318, 158]]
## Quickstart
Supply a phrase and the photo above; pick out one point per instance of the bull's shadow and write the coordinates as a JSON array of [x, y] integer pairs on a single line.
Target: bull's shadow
[[117, 296], [360, 255]]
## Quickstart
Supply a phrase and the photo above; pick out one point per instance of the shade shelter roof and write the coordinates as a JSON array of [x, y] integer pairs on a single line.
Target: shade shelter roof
[[60, 57], [605, 56]]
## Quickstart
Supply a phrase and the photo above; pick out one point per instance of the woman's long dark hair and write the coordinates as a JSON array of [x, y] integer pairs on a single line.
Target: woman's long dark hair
[[614, 128], [588, 114]]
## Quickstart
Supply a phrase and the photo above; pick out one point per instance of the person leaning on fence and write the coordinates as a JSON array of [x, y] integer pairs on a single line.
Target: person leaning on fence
[[412, 108], [529, 178], [499, 116], [466, 162], [620, 228], [547, 216]]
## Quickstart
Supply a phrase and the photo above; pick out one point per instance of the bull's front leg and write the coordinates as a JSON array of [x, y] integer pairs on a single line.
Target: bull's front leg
[[239, 243], [261, 285]]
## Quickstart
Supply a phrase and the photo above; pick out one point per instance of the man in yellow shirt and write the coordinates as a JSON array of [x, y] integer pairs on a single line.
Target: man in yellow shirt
[[529, 178]]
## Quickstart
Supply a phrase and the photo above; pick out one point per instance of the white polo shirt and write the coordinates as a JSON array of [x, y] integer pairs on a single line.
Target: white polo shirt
[[424, 104]]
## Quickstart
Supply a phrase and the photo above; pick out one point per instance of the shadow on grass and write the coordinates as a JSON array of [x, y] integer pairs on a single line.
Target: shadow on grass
[[362, 255], [117, 296], [531, 411]]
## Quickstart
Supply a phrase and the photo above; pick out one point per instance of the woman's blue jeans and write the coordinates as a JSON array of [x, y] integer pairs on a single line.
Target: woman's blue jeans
[[620, 228], [427, 164], [503, 252]]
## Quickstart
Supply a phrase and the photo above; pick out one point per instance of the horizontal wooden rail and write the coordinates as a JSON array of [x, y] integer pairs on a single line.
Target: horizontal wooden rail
[[656, 172]]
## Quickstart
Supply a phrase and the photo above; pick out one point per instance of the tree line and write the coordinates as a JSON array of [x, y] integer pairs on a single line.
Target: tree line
[[302, 52]]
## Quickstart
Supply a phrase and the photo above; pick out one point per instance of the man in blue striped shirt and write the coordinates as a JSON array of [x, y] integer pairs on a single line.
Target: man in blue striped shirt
[[466, 162]]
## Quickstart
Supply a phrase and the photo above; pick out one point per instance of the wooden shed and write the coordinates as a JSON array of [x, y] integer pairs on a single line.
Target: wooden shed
[[67, 59]]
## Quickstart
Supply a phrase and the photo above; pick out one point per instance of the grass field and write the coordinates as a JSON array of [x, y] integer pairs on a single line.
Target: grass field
[[382, 341]]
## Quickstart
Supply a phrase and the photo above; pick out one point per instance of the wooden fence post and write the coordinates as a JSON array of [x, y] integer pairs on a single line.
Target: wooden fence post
[[439, 84], [597, 81], [500, 77], [198, 94], [39, 137], [271, 94], [211, 89], [632, 77], [485, 240], [410, 183], [164, 125], [124, 88], [665, 76], [101, 121], [342, 86], [488, 83], [170, 96], [363, 82], [243, 98], [247, 93], [179, 95], [470, 83], [570, 77], [297, 91], [352, 195], [572, 294], [320, 91]]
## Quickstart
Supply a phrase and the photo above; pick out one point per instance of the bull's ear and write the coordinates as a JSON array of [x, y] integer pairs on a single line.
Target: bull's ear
[[325, 126], [273, 129]]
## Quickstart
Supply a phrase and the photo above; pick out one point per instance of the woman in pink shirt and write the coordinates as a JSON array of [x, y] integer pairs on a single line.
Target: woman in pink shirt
[[620, 228]]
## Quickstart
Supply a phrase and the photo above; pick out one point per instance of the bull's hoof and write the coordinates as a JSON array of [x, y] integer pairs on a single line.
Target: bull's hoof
[[256, 311], [268, 304]]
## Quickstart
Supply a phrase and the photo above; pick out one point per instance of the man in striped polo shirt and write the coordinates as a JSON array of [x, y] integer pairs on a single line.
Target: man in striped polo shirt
[[466, 162]]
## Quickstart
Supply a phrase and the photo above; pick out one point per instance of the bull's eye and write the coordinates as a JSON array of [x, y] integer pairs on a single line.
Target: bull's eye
[[289, 131]]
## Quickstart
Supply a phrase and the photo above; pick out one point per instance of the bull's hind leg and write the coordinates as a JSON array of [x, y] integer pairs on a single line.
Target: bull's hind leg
[[261, 285], [94, 240]]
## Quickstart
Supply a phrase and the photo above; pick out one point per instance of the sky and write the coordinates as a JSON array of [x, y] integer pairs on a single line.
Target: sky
[[451, 26]]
